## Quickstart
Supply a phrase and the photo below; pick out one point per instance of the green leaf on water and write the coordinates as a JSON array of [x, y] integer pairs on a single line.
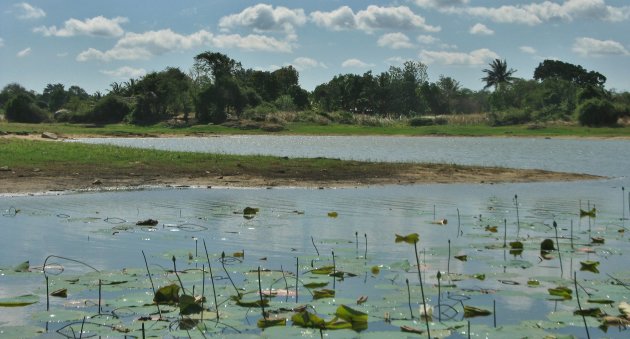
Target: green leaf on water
[[167, 295], [19, 301], [250, 303], [61, 293], [461, 257], [189, 305], [472, 311], [533, 283], [266, 323], [23, 267], [333, 214], [323, 293], [516, 245], [547, 245], [589, 266], [351, 315], [315, 285], [250, 210], [375, 270], [307, 319], [323, 270], [409, 239], [561, 291], [601, 301], [592, 213], [590, 312]]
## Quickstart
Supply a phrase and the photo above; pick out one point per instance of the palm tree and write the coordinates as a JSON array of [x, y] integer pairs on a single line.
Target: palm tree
[[498, 74]]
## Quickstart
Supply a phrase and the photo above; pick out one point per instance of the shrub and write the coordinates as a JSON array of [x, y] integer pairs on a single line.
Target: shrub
[[110, 109], [511, 116], [597, 112], [22, 108], [421, 121]]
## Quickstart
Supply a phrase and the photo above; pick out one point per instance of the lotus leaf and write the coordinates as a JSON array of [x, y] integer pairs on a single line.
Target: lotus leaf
[[409, 239], [472, 311], [23, 300], [167, 295]]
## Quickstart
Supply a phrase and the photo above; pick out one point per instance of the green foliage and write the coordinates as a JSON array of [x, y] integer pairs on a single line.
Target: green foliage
[[110, 109], [498, 74], [427, 121], [555, 69], [22, 108], [597, 112], [511, 116]]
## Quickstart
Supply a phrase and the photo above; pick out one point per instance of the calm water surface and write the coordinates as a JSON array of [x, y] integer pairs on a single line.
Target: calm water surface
[[91, 226]]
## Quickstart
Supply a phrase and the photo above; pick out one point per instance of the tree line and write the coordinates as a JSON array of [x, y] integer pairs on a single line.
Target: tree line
[[218, 88]]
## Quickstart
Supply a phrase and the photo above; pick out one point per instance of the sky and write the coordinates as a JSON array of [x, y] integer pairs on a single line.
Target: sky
[[92, 44]]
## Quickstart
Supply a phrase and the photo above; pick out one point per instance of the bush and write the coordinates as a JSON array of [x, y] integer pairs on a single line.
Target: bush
[[22, 108], [110, 109], [511, 116], [597, 112], [427, 121]]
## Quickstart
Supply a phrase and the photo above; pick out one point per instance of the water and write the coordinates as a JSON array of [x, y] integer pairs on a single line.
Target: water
[[98, 228], [601, 157]]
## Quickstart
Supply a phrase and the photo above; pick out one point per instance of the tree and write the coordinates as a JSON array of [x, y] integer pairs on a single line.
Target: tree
[[597, 112], [498, 74], [22, 108], [55, 96], [555, 69]]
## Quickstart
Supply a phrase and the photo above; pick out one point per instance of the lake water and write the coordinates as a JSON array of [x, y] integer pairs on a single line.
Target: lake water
[[99, 229]]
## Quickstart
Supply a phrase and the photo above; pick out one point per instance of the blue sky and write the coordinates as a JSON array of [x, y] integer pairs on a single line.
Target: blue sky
[[94, 43]]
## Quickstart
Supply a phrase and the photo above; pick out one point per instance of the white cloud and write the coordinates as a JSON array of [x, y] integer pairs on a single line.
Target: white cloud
[[302, 63], [133, 46], [24, 53], [125, 72], [527, 49], [264, 18], [589, 47], [394, 41], [396, 60], [97, 26], [372, 18], [440, 3], [548, 11], [355, 63], [253, 42], [480, 29], [427, 39], [27, 11], [476, 57]]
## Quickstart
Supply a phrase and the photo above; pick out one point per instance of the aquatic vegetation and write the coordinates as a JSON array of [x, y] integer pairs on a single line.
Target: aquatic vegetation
[[284, 290]]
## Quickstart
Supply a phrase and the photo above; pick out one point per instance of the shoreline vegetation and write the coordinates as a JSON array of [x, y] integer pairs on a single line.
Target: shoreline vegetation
[[31, 164]]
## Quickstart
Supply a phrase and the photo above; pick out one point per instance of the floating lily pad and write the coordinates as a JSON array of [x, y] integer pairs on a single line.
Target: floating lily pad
[[19, 301], [409, 239], [472, 311]]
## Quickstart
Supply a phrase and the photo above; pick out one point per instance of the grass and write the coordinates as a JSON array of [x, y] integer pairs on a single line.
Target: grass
[[64, 158], [480, 129]]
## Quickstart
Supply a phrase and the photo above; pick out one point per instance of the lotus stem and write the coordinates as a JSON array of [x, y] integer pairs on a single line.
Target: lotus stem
[[262, 304], [409, 298], [365, 255], [203, 288], [518, 221], [216, 305], [448, 261], [439, 276], [434, 217], [424, 302], [99, 296], [297, 274], [458, 224], [313, 242], [228, 274], [577, 296], [555, 227], [177, 275], [468, 329], [47, 296], [151, 280], [81, 332], [494, 312], [504, 233], [356, 242], [143, 335]]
